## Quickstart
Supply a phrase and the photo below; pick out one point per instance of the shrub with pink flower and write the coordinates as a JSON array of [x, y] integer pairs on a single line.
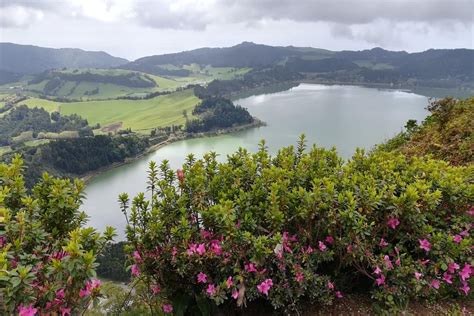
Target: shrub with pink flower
[[283, 230]]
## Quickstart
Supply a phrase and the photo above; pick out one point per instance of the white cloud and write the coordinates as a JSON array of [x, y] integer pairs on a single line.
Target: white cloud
[[18, 16]]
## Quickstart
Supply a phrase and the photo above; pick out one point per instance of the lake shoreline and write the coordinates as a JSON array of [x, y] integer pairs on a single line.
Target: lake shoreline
[[87, 177]]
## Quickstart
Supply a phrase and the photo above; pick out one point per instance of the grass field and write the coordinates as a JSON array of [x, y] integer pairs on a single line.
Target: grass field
[[50, 106], [138, 115]]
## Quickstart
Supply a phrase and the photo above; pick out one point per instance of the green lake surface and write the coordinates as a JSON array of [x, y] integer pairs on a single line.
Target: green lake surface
[[346, 117]]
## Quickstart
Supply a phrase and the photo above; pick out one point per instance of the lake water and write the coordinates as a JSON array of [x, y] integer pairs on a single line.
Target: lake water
[[346, 117]]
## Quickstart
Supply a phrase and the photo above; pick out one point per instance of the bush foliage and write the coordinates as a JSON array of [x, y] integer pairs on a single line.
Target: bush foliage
[[47, 259], [303, 227]]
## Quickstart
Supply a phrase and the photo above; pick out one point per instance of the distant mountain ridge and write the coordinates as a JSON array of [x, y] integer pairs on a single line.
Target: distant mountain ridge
[[28, 59]]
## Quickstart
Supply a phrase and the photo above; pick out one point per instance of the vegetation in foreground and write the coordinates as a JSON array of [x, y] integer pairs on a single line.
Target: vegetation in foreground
[[47, 257], [299, 229], [447, 134]]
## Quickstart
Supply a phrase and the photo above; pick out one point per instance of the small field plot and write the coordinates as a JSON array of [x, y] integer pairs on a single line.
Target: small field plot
[[138, 115]]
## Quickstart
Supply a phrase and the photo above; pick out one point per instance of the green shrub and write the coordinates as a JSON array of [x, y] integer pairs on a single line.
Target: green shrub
[[47, 259], [303, 227]]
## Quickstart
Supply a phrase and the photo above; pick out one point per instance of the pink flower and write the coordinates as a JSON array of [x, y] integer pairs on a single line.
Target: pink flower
[[135, 270], [309, 250], [349, 248], [448, 278], [299, 277], [425, 262], [425, 244], [471, 211], [435, 284], [235, 295], [211, 289], [250, 267], [381, 280], [201, 249], [216, 248], [418, 275], [465, 288], [330, 240], [265, 286], [330, 285], [84, 292], [202, 278], [180, 175], [377, 270], [464, 233], [206, 234], [137, 257], [339, 294], [27, 311], [457, 239], [466, 271], [383, 243], [453, 266], [60, 294], [167, 308], [229, 282], [65, 311], [322, 246], [155, 289], [95, 284], [393, 223], [388, 262], [191, 250], [398, 262]]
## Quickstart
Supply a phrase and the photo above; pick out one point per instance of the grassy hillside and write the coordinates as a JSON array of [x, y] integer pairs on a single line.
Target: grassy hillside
[[448, 133], [138, 115]]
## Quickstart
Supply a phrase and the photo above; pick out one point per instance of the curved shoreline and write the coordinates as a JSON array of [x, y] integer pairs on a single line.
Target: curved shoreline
[[87, 177]]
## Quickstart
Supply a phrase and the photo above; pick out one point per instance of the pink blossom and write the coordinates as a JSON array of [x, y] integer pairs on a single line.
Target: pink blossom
[[380, 280], [418, 275], [453, 266], [309, 250], [27, 311], [229, 282], [330, 240], [206, 234], [393, 223], [167, 308], [265, 286], [377, 270], [425, 244], [448, 278], [95, 284], [388, 262], [235, 295], [216, 248], [60, 294], [339, 294], [211, 289], [383, 243], [137, 257], [435, 284], [466, 271], [135, 270], [65, 311], [425, 262], [174, 252], [201, 249], [155, 289], [299, 277], [202, 278], [191, 249], [330, 285], [457, 239], [84, 292], [464, 233], [322, 246], [465, 288], [349, 248], [398, 262], [250, 267], [471, 211]]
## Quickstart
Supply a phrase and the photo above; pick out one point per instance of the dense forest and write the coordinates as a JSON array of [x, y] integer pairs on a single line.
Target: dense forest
[[23, 119], [217, 113]]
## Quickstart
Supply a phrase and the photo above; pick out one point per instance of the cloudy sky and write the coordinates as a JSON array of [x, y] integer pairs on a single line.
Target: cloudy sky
[[136, 28]]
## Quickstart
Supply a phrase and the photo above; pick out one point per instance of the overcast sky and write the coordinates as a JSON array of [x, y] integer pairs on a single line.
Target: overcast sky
[[136, 28]]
